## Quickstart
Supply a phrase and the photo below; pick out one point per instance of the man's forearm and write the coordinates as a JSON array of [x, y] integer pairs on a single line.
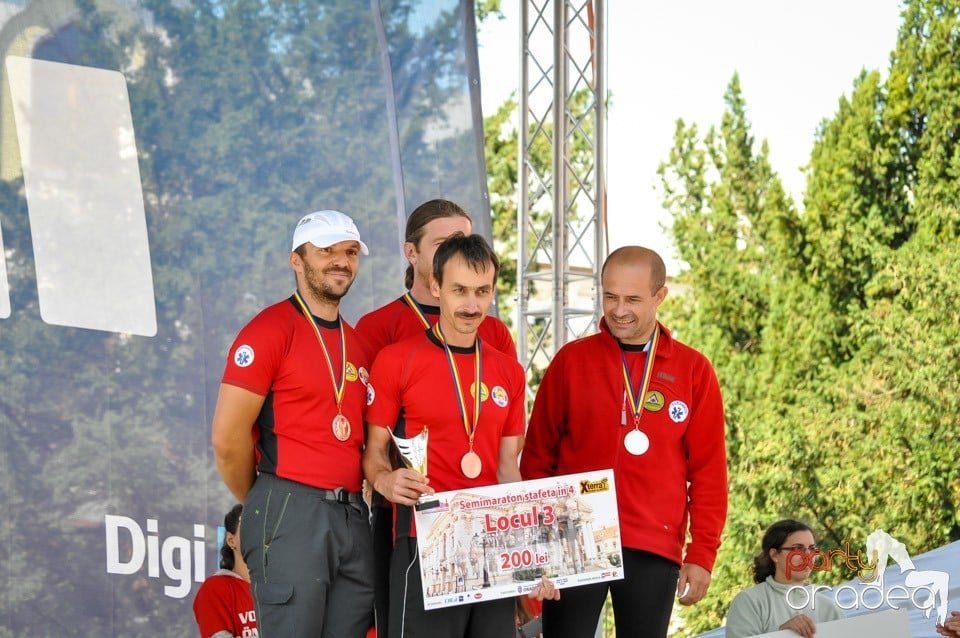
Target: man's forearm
[[234, 449], [237, 473], [376, 464], [508, 473]]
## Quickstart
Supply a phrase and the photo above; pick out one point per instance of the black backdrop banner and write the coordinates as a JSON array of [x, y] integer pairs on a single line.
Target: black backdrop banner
[[154, 158]]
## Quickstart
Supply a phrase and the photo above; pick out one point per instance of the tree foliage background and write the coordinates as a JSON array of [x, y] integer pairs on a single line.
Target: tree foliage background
[[834, 329], [833, 326], [247, 114]]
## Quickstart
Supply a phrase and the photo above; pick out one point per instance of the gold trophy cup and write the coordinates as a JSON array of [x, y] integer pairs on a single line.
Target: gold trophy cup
[[413, 453]]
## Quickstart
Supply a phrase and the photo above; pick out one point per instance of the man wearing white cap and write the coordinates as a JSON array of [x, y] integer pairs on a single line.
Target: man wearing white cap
[[288, 438]]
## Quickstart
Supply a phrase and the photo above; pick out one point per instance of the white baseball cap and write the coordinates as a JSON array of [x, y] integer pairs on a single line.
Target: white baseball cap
[[325, 228]]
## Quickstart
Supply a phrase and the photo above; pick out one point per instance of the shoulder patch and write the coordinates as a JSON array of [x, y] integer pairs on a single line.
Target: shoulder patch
[[678, 411], [243, 356], [499, 396]]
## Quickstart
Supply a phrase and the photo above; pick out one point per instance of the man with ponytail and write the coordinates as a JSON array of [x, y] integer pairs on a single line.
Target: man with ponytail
[[428, 226]]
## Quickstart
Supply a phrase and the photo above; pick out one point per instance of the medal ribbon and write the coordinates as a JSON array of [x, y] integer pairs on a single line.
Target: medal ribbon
[[417, 310], [338, 386], [471, 430], [637, 400]]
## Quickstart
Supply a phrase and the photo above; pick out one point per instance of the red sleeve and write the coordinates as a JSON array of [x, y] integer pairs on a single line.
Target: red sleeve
[[356, 343], [257, 352], [503, 340], [515, 424], [211, 608], [548, 422], [372, 332], [383, 391], [705, 446]]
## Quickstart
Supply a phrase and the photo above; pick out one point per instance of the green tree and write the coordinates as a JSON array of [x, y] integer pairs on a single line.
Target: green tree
[[502, 159], [736, 230], [834, 332]]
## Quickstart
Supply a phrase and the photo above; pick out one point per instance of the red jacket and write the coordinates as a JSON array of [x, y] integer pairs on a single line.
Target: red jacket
[[577, 426]]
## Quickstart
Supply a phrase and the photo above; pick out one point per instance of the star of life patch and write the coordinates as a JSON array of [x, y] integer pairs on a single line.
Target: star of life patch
[[243, 356], [678, 411]]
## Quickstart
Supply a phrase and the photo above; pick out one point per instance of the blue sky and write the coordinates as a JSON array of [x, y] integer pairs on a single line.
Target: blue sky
[[674, 59]]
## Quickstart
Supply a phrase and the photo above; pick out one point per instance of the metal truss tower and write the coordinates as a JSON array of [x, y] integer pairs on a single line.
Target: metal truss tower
[[562, 225]]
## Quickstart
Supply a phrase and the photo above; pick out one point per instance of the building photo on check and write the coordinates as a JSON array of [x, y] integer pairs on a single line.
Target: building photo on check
[[498, 541]]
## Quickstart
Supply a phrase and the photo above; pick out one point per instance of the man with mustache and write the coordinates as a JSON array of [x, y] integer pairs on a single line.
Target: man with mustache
[[635, 399], [469, 397], [288, 439], [427, 227]]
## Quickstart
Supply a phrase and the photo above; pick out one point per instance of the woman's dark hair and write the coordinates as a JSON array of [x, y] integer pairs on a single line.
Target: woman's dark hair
[[423, 215], [774, 538], [232, 523]]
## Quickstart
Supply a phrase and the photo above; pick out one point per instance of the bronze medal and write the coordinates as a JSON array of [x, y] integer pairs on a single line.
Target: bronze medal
[[341, 427], [471, 465]]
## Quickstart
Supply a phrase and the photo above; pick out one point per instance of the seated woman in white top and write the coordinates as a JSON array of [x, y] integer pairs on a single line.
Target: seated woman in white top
[[778, 600]]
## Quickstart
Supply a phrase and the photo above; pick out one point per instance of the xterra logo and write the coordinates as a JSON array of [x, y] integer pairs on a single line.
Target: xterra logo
[[81, 178]]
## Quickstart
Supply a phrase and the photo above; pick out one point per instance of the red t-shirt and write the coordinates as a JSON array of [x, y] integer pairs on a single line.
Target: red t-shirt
[[278, 356], [412, 379], [397, 321], [224, 603]]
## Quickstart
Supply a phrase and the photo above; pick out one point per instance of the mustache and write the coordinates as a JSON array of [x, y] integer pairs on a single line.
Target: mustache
[[469, 315], [345, 271]]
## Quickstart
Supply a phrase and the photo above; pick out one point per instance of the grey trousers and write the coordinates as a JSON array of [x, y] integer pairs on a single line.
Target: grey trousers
[[310, 559]]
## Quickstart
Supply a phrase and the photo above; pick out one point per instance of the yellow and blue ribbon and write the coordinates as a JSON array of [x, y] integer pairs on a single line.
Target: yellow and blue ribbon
[[471, 430], [417, 310], [637, 400], [338, 385]]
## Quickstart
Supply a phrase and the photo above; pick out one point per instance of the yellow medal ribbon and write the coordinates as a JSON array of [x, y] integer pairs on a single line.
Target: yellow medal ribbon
[[637, 400], [461, 403], [417, 310], [338, 386]]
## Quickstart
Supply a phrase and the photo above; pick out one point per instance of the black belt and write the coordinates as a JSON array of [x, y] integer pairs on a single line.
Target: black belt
[[341, 495], [337, 495]]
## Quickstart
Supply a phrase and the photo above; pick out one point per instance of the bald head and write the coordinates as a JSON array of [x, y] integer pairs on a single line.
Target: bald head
[[642, 258]]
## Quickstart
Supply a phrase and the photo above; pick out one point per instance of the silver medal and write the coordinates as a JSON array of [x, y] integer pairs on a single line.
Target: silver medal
[[636, 442]]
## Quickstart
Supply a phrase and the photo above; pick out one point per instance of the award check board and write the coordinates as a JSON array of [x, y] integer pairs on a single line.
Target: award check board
[[496, 541], [890, 623]]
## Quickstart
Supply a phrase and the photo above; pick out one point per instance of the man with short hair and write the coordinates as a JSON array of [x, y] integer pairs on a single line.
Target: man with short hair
[[415, 311], [288, 438], [635, 399], [470, 399]]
